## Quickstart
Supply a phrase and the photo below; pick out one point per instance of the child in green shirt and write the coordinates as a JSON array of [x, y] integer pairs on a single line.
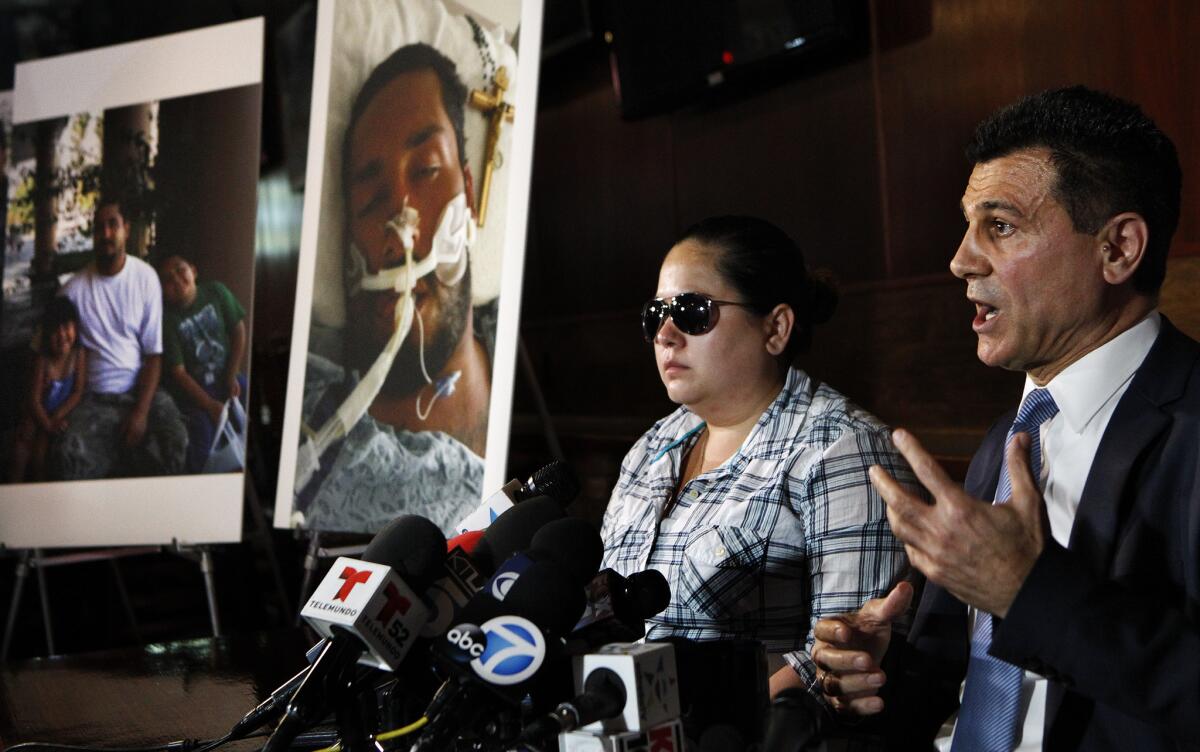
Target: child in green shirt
[[204, 343]]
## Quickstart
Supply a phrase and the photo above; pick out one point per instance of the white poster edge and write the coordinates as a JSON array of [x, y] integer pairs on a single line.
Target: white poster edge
[[309, 233], [147, 70], [82, 513], [504, 365]]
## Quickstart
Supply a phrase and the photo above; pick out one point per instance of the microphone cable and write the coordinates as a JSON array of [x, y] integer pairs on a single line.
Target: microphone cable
[[416, 725], [179, 745], [307, 740]]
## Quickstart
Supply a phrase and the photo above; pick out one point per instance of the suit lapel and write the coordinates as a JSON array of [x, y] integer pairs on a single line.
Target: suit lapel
[[1134, 426], [1137, 421]]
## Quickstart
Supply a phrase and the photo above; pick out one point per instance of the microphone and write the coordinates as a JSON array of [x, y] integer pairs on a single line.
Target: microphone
[[507, 635], [513, 531], [556, 480], [618, 607], [571, 549], [794, 723], [623, 688], [472, 555], [497, 650], [737, 665], [651, 682], [666, 737], [516, 529], [574, 544], [371, 611], [466, 541], [267, 710], [450, 593]]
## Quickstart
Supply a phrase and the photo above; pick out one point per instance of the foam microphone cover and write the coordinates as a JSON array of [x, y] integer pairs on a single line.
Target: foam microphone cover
[[414, 547], [573, 543], [543, 593], [648, 593], [513, 531], [547, 596]]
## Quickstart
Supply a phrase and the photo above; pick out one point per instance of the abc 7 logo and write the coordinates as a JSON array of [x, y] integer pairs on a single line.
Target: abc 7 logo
[[505, 650]]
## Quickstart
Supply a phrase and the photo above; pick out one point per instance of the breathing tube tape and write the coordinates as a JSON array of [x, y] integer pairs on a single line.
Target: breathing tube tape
[[454, 235]]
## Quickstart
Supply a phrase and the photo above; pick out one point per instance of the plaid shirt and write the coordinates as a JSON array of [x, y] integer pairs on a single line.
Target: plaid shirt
[[788, 530]]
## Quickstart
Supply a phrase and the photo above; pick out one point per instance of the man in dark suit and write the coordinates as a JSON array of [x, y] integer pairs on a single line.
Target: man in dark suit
[[1067, 611]]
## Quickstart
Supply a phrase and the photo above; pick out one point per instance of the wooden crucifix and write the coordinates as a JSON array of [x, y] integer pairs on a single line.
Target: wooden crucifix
[[498, 111]]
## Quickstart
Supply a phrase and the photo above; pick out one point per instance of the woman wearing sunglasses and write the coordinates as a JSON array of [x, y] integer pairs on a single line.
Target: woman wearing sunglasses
[[752, 498]]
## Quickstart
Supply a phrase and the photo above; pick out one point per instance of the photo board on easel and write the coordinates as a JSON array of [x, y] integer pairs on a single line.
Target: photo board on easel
[[130, 250], [416, 193]]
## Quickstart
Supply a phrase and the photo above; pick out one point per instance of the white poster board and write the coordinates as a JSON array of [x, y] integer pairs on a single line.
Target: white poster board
[[198, 96], [384, 178]]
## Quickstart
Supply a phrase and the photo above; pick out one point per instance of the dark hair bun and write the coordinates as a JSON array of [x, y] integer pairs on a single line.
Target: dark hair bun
[[821, 296], [767, 268]]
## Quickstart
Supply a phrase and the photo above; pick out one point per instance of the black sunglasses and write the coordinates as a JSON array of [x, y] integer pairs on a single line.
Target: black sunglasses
[[693, 313]]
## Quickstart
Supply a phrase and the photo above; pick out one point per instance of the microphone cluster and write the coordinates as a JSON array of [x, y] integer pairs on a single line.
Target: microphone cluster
[[505, 638]]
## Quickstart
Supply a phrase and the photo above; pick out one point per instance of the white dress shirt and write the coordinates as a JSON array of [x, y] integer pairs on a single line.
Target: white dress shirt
[[1087, 393]]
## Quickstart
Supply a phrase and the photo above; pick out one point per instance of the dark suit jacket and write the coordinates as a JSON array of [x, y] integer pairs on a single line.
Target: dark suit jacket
[[1113, 619]]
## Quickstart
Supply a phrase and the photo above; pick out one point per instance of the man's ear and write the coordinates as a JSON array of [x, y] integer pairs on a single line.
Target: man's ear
[[1123, 246], [778, 325], [469, 187]]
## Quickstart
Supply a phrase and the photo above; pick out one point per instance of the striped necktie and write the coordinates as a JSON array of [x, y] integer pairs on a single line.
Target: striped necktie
[[991, 704]]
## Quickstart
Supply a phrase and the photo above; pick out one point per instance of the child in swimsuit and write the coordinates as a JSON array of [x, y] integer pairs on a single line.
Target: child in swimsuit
[[58, 383]]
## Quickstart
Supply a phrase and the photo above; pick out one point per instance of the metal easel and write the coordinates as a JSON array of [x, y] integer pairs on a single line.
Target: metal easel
[[38, 562]]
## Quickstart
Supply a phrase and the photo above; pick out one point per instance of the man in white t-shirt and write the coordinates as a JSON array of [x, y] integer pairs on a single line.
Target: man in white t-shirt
[[124, 425]]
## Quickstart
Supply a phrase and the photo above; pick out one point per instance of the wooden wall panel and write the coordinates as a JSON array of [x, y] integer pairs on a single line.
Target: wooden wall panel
[[981, 55], [802, 155], [602, 207], [863, 164]]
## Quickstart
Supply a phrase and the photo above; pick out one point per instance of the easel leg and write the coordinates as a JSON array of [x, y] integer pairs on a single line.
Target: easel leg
[[264, 535], [310, 570], [539, 400], [18, 587], [125, 602], [42, 591], [206, 568]]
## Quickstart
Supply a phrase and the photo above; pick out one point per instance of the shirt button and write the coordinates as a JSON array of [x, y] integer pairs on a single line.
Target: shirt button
[[719, 551], [694, 493]]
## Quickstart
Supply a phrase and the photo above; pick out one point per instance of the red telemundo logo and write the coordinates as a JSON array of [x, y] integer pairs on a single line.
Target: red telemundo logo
[[396, 604], [661, 739], [352, 577]]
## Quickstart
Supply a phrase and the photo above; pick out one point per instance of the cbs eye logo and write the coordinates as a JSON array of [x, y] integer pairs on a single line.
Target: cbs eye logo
[[503, 583], [514, 650]]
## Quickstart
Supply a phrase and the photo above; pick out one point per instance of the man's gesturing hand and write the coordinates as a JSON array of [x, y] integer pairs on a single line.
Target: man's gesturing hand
[[978, 551], [849, 648]]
